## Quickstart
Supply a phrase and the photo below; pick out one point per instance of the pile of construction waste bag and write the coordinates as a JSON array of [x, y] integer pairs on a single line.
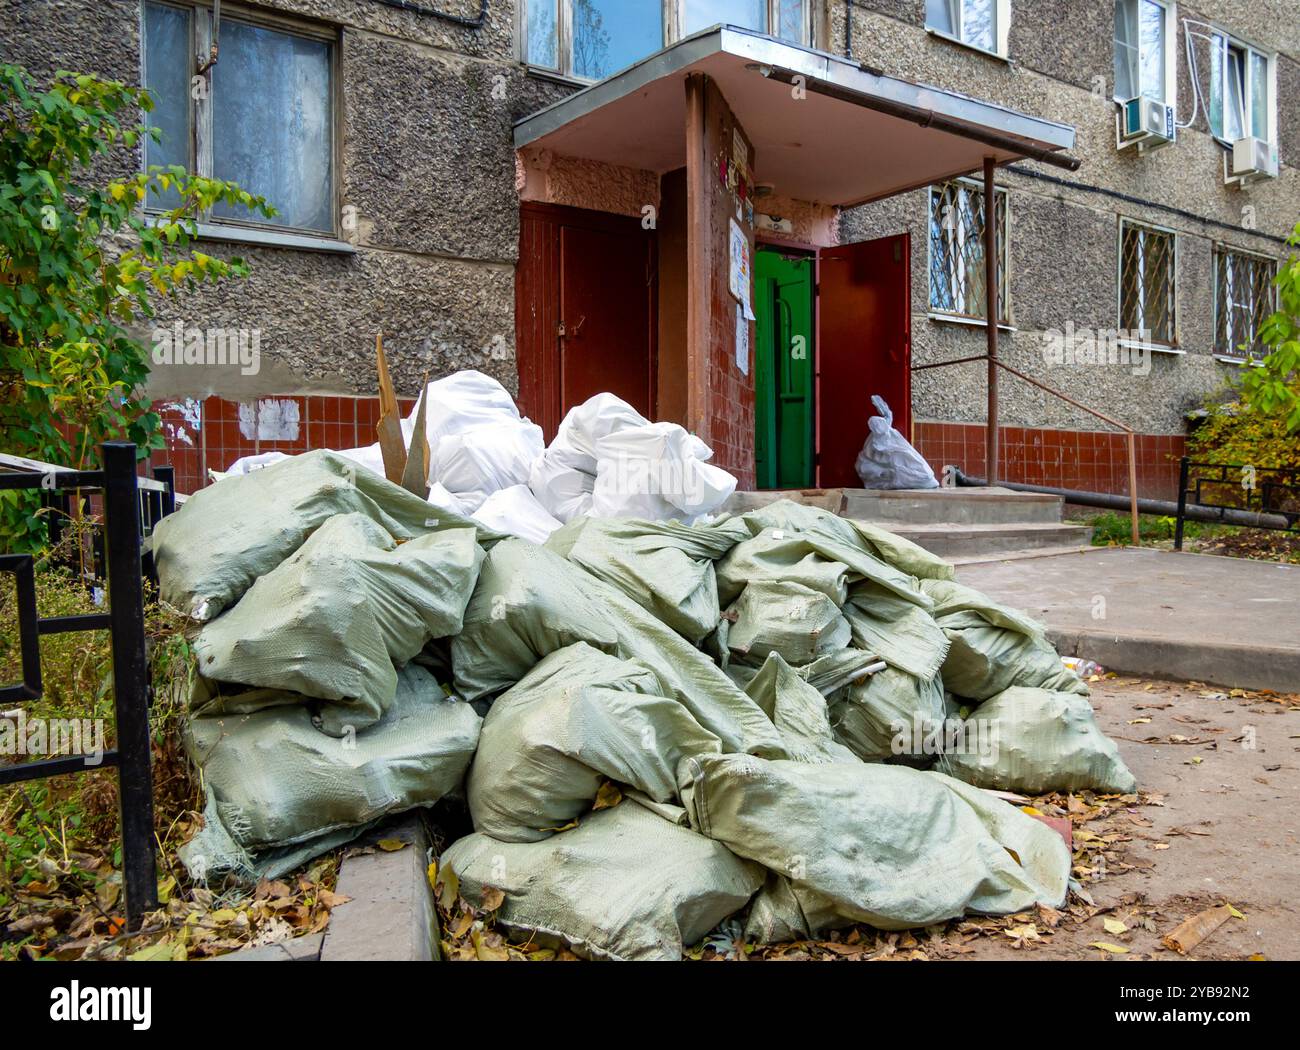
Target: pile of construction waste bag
[[800, 715]]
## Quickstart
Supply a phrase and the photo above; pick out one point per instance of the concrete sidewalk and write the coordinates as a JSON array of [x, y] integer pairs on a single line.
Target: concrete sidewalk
[[1229, 621]]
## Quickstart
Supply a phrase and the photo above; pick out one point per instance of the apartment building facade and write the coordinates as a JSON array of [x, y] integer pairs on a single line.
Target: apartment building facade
[[416, 154]]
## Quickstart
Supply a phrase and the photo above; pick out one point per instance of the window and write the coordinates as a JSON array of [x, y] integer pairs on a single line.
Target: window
[[1242, 91], [957, 285], [264, 119], [1147, 274], [981, 24], [1244, 297], [593, 39], [1144, 50]]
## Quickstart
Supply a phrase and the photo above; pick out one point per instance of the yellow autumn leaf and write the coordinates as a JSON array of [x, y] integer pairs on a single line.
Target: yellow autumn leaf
[[1114, 949], [1114, 927], [391, 845], [1233, 911], [608, 796]]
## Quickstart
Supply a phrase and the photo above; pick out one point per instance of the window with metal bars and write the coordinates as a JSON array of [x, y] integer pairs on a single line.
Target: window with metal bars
[[1243, 299], [1147, 283], [957, 284]]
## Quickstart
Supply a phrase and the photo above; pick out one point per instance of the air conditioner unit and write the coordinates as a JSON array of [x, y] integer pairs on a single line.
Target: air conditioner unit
[[1252, 159], [1145, 123]]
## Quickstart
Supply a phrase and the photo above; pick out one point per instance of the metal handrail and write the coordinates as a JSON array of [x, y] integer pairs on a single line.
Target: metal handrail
[[1129, 432]]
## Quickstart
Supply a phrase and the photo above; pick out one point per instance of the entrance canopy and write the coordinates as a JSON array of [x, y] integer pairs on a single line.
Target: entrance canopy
[[824, 128]]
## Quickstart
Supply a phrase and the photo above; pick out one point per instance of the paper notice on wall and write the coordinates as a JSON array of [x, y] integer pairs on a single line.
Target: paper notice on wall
[[739, 276], [742, 340]]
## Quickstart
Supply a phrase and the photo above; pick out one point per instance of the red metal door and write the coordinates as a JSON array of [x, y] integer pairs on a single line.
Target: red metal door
[[607, 327], [864, 347]]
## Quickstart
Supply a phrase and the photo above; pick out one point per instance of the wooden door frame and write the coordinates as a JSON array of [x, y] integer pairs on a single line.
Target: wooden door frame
[[539, 293], [814, 253], [906, 260]]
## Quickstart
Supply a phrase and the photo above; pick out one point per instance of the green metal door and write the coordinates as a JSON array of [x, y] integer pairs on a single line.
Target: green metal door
[[783, 370]]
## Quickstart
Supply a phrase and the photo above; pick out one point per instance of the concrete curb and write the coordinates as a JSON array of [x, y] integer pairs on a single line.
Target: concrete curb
[[296, 949], [391, 914], [1215, 663]]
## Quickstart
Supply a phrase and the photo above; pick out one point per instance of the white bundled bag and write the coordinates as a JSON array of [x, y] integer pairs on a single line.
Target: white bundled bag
[[475, 463], [516, 512], [564, 477], [658, 471], [464, 401], [887, 461]]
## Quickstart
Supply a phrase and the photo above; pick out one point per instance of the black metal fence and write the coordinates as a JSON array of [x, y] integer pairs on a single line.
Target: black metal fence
[[129, 504], [1242, 494]]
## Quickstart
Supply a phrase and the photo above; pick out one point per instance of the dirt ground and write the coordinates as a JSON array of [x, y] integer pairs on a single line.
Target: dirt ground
[[1217, 822]]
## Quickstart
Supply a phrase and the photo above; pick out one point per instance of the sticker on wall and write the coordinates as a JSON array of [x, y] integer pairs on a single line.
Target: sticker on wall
[[774, 224], [739, 275], [269, 420], [742, 340]]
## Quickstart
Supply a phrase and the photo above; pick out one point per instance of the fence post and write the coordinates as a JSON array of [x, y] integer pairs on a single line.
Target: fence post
[[130, 678], [1184, 471]]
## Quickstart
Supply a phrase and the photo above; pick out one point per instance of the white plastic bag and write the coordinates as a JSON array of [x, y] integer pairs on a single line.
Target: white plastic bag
[[248, 464], [475, 463], [463, 401], [657, 471], [516, 512], [887, 461], [564, 477]]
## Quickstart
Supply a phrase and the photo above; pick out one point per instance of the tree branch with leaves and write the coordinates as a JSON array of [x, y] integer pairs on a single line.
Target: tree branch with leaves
[[81, 265]]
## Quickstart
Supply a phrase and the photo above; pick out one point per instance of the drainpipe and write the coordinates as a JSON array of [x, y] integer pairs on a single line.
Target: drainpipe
[[848, 28], [991, 316]]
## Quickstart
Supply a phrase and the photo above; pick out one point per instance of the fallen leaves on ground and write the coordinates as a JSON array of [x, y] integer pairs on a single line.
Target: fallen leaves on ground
[[73, 910]]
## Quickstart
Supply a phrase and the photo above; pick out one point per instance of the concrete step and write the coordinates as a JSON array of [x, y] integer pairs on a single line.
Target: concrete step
[[983, 542], [1020, 555], [983, 506]]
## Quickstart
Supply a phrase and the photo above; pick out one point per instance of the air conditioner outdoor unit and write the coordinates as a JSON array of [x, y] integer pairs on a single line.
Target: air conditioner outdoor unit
[[1252, 159], [1145, 123]]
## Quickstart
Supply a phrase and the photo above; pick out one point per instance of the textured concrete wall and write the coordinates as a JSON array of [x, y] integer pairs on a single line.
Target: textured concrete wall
[[427, 162], [542, 176], [1064, 237]]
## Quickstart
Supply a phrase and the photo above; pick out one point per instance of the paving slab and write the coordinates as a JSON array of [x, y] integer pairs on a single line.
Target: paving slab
[[1192, 617]]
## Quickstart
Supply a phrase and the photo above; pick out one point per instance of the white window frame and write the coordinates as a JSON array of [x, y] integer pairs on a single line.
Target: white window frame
[[1174, 346], [200, 161], [1170, 56], [1231, 355], [1001, 30], [1001, 194], [1224, 41], [672, 21]]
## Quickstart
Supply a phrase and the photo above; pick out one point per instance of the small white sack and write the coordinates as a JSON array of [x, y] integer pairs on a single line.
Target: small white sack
[[475, 463], [248, 464], [887, 461], [461, 402], [657, 471], [564, 477], [516, 512], [442, 499], [368, 456], [561, 491]]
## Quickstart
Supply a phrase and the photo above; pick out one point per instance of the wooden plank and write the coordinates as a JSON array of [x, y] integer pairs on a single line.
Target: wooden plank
[[391, 442]]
